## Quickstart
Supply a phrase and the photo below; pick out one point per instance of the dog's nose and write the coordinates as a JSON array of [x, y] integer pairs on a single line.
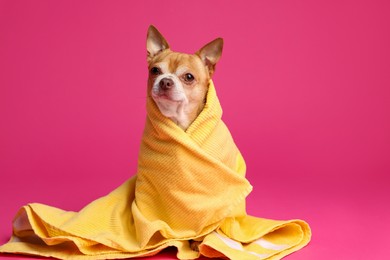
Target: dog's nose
[[166, 83]]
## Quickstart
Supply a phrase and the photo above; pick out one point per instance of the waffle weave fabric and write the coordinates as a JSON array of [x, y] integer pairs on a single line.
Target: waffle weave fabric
[[190, 185]]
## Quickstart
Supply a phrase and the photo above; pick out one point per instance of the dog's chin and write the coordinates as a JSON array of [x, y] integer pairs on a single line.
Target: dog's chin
[[167, 105]]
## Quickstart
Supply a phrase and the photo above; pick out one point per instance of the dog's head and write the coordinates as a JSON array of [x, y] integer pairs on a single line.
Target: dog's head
[[178, 82]]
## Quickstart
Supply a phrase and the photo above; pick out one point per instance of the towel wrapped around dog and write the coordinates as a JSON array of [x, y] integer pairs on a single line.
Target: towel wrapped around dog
[[190, 186]]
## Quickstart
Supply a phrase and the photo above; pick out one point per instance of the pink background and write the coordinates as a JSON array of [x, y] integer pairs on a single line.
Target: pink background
[[305, 87]]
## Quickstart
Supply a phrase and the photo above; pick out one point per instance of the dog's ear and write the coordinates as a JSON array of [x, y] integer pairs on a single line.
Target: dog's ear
[[211, 53], [155, 42]]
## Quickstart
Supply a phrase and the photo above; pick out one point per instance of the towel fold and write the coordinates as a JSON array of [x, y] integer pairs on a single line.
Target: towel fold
[[190, 185]]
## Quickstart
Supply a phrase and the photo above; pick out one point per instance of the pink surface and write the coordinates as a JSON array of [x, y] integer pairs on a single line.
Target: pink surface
[[305, 87]]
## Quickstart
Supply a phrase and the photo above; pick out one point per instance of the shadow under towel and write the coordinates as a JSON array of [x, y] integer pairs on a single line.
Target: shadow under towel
[[189, 186]]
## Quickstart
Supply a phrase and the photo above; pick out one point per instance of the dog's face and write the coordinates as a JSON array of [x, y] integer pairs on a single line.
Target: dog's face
[[178, 82]]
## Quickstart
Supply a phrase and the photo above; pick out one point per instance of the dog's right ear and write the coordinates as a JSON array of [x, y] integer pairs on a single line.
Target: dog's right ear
[[155, 42]]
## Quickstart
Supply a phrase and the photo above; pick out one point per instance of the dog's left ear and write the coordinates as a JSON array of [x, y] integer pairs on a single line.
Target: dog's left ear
[[155, 42], [211, 53]]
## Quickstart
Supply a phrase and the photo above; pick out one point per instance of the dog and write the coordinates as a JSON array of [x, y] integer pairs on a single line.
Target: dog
[[178, 82]]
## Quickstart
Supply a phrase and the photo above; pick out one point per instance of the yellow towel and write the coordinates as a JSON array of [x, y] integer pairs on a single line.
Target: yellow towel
[[189, 186]]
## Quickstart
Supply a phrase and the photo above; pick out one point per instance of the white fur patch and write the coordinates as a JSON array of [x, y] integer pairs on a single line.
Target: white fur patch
[[171, 103]]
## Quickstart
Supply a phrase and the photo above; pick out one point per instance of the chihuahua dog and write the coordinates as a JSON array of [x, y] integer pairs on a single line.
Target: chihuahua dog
[[178, 82]]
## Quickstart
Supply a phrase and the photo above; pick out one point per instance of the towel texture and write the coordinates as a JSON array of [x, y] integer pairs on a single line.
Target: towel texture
[[189, 186]]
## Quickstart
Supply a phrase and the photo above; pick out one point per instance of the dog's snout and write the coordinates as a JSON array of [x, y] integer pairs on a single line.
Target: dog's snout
[[166, 83]]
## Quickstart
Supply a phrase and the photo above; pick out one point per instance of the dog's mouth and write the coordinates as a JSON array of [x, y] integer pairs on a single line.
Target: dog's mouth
[[162, 96], [167, 95]]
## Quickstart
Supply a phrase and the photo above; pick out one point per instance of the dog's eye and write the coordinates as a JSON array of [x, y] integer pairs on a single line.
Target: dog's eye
[[189, 77], [155, 71]]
